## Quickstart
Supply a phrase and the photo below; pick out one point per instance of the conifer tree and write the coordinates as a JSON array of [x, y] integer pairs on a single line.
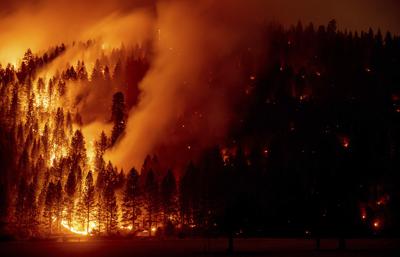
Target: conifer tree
[[70, 189], [118, 116], [32, 208], [86, 208], [78, 150], [131, 200], [168, 196], [110, 210], [49, 207], [151, 199]]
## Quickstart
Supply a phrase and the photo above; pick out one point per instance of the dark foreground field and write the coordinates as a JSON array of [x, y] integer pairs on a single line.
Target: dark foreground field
[[200, 247]]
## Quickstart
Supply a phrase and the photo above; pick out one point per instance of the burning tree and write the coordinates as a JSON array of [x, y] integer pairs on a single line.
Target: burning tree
[[169, 198], [118, 116], [131, 200], [286, 128], [110, 210], [86, 206], [151, 200]]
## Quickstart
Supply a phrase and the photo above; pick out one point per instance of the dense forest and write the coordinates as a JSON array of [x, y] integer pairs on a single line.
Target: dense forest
[[314, 151]]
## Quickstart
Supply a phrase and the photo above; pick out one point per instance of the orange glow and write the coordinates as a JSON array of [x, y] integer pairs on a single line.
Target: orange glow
[[382, 200], [265, 152], [376, 224], [72, 229], [345, 142], [363, 213]]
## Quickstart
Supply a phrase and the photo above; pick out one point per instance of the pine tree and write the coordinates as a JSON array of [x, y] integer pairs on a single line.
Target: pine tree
[[30, 112], [101, 147], [168, 196], [110, 210], [82, 73], [117, 71], [110, 176], [187, 194], [61, 87], [118, 116], [78, 150], [70, 189], [151, 199], [96, 72], [86, 208], [100, 215], [45, 141], [58, 132], [42, 196], [48, 213], [107, 76], [32, 208], [131, 200]]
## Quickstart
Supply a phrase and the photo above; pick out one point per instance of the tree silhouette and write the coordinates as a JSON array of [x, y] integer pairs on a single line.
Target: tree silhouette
[[118, 116], [169, 197], [86, 206], [110, 210], [131, 200], [49, 207], [78, 149], [151, 199], [70, 189]]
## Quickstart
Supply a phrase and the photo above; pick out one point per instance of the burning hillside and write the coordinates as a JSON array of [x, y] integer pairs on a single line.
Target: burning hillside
[[147, 118]]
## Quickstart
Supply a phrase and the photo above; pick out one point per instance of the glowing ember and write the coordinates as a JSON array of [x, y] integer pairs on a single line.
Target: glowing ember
[[345, 142], [363, 213]]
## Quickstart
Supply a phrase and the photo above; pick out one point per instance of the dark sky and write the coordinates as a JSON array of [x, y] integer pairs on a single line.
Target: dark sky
[[351, 14]]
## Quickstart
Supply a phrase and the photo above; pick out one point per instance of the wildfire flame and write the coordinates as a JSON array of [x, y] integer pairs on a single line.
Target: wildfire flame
[[92, 226]]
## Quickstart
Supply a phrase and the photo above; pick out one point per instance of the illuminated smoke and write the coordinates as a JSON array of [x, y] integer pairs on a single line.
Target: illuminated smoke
[[193, 42], [39, 24], [192, 47]]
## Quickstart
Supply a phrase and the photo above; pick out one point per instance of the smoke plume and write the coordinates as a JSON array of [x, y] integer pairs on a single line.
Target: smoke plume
[[188, 95], [195, 43]]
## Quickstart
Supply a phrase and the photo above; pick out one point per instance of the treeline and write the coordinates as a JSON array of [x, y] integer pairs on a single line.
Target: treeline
[[315, 148], [324, 112], [47, 168]]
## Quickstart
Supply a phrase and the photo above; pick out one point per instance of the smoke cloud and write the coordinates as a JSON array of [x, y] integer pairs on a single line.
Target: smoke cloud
[[194, 44], [188, 95]]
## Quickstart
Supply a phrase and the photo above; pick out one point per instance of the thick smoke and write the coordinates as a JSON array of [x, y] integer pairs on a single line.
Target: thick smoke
[[196, 43], [194, 78], [39, 24]]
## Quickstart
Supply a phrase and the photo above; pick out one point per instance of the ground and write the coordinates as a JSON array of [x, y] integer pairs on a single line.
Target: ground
[[200, 247]]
